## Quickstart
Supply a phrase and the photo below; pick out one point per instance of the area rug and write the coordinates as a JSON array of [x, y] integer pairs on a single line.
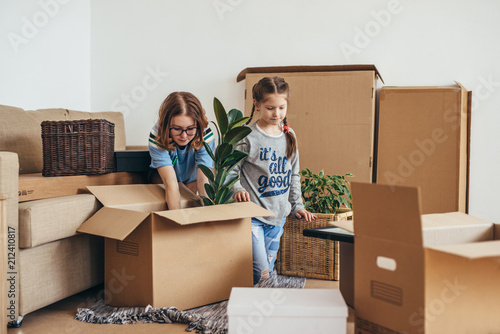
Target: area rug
[[205, 319]]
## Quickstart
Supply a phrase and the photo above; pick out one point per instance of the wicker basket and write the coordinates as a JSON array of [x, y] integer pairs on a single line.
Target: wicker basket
[[83, 147], [306, 256]]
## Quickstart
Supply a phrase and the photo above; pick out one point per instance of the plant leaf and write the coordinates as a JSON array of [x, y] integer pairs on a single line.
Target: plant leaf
[[223, 152], [219, 138], [233, 136], [207, 201], [210, 191], [233, 115], [220, 114], [236, 157], [220, 178], [228, 198], [207, 171], [209, 151], [238, 122], [221, 194], [197, 200], [231, 180]]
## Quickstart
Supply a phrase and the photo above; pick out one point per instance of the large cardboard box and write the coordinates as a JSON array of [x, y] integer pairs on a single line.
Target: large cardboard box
[[423, 141], [183, 258], [435, 273], [331, 110]]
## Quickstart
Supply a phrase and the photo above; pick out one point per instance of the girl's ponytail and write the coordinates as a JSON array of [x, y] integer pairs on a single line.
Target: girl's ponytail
[[291, 141], [251, 115]]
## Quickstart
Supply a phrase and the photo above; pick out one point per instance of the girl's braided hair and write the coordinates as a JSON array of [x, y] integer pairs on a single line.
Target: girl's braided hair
[[275, 85]]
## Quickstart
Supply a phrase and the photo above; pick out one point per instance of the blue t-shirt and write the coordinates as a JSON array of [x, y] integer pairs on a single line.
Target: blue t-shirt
[[183, 160]]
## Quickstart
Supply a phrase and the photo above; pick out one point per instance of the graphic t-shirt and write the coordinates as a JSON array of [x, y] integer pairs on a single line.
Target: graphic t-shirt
[[271, 179], [184, 160]]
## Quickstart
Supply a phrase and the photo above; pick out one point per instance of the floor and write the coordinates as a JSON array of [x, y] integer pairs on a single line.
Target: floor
[[59, 317]]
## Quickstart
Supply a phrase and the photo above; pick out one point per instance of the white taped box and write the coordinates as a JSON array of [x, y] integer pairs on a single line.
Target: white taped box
[[265, 310]]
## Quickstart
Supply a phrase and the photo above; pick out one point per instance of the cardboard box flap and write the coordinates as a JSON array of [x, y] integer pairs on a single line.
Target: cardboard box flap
[[215, 213], [474, 250], [454, 228], [113, 223], [119, 195], [437, 220], [321, 68], [387, 212]]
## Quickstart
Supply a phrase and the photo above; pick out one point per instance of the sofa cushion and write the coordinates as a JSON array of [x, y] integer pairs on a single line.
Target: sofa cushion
[[46, 220], [57, 270], [21, 133]]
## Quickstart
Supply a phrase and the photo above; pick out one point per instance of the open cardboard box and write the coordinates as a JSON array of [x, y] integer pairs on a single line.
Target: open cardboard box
[[436, 273], [184, 258]]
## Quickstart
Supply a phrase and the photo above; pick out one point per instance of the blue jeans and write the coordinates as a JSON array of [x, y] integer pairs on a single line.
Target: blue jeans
[[265, 244]]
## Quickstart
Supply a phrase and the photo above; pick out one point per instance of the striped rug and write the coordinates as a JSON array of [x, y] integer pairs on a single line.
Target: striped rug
[[205, 319]]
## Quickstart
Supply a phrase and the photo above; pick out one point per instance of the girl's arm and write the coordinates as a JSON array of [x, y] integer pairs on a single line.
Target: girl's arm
[[169, 178]]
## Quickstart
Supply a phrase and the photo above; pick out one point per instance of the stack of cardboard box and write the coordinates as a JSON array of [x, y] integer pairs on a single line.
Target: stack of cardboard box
[[422, 264]]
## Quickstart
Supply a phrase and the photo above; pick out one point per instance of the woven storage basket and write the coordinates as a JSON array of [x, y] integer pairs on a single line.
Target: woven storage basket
[[306, 256], [83, 147]]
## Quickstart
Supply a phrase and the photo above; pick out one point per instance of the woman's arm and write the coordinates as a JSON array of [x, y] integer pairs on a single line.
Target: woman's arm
[[169, 178]]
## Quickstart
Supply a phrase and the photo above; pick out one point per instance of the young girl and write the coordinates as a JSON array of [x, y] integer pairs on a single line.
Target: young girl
[[270, 174], [176, 145]]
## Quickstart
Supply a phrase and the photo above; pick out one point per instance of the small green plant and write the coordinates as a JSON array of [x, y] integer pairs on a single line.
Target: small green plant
[[231, 130], [325, 193]]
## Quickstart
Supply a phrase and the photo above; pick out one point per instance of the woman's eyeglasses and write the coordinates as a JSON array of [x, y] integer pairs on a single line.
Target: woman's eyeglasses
[[179, 131]]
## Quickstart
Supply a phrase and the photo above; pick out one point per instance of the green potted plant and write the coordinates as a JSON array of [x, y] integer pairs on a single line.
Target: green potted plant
[[329, 197], [231, 130], [325, 194]]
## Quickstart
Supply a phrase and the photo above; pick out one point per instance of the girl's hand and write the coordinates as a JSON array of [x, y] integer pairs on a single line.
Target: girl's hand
[[309, 217], [241, 196]]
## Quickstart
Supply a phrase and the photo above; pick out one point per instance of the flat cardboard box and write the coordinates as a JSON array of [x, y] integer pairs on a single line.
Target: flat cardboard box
[[331, 110], [423, 141], [183, 258], [436, 273], [291, 311], [36, 186]]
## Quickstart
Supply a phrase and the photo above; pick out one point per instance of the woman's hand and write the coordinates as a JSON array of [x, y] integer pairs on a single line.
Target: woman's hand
[[241, 196], [309, 217]]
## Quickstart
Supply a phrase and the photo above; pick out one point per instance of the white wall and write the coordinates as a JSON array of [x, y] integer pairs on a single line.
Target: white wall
[[140, 51], [45, 54]]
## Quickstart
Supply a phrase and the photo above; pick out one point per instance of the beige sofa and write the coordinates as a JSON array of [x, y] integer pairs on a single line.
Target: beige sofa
[[49, 260]]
